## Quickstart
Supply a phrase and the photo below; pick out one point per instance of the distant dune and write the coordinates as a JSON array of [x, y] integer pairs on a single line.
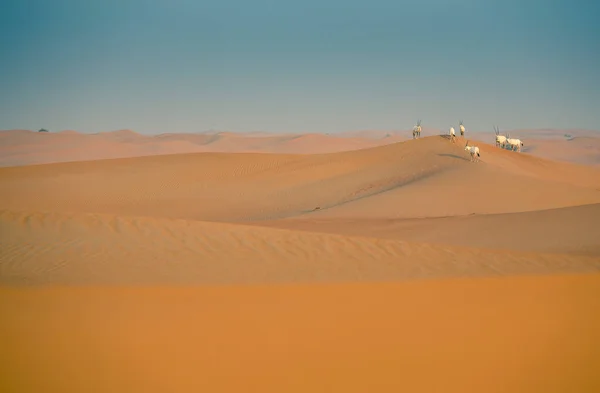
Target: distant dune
[[226, 262], [582, 150], [21, 147]]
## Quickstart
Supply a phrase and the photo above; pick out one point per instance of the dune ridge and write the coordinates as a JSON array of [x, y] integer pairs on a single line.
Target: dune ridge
[[430, 177]]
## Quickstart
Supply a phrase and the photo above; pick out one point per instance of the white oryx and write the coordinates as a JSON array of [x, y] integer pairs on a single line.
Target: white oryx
[[462, 129], [500, 139], [417, 130], [452, 134], [514, 143], [473, 151]]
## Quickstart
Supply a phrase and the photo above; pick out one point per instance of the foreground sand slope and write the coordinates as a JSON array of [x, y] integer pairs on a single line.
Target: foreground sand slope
[[54, 248], [529, 334], [570, 230]]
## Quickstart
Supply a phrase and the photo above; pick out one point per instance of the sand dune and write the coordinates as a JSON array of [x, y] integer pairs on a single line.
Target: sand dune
[[102, 249], [570, 230], [430, 177], [200, 270], [153, 219]]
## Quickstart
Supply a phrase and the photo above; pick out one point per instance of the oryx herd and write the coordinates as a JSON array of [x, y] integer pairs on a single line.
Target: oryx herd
[[416, 131], [504, 141]]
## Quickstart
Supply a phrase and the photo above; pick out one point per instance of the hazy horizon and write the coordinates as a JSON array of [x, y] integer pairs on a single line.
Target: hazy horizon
[[367, 133], [263, 66]]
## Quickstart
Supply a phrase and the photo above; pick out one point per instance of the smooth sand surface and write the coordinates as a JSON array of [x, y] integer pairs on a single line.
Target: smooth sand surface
[[399, 266], [518, 334], [569, 230]]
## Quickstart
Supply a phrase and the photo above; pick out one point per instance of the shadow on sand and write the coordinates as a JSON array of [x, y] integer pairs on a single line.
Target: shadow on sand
[[453, 156]]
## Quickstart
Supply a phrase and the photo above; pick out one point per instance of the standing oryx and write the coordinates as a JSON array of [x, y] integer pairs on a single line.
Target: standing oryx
[[462, 129], [500, 139], [473, 151], [514, 143], [452, 135], [417, 130]]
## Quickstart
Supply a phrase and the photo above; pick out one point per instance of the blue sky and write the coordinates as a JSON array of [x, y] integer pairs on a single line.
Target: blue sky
[[295, 66]]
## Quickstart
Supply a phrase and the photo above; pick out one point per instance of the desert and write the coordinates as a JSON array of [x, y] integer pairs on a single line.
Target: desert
[[355, 262], [331, 196]]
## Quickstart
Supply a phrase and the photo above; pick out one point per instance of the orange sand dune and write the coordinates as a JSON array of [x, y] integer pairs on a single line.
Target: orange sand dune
[[569, 230], [105, 249], [430, 177], [199, 271], [149, 217]]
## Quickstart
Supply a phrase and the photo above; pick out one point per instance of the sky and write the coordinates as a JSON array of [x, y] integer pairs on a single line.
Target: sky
[[298, 66]]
